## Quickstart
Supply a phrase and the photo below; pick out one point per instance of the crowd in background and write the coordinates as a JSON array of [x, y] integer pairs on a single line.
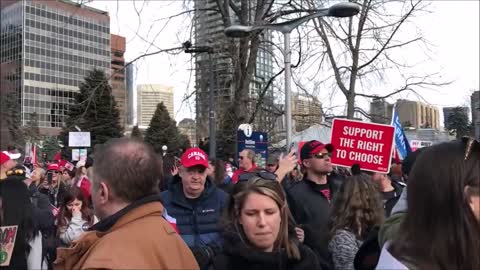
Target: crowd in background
[[130, 208]]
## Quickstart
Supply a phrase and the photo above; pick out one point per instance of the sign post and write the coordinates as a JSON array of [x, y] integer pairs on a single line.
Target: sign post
[[256, 141], [367, 144]]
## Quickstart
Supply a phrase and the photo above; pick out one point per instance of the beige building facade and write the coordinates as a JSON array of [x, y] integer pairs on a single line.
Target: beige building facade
[[417, 114], [306, 112], [148, 96]]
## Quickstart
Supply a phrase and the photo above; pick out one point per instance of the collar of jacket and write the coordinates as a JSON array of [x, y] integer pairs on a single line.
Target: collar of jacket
[[333, 187], [178, 196], [107, 223], [70, 258]]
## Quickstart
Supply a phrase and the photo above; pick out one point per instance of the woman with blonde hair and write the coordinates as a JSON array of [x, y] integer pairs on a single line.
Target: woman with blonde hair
[[259, 231]]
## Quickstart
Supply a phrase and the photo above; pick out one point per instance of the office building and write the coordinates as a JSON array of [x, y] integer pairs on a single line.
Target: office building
[[306, 112], [47, 48], [381, 111], [448, 111], [417, 115], [117, 81], [148, 96], [209, 28], [475, 100], [131, 98], [188, 127]]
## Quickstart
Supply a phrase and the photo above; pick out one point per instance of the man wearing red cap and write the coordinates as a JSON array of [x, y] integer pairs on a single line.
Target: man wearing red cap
[[197, 204], [309, 200], [8, 160]]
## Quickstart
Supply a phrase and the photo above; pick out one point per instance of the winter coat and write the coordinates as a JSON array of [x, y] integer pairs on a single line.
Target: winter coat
[[75, 228], [36, 259], [197, 226], [390, 203], [311, 211], [343, 247], [136, 237], [238, 256]]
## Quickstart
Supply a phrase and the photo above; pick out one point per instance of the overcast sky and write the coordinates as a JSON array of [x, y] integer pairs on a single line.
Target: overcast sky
[[452, 28]]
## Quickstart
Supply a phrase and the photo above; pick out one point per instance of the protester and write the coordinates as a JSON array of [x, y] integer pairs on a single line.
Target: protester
[[196, 204], [17, 210], [37, 178], [81, 178], [75, 216], [356, 210], [272, 163], [246, 164], [131, 233], [259, 234], [53, 186], [441, 227], [216, 171], [390, 190], [8, 160], [309, 199], [68, 176]]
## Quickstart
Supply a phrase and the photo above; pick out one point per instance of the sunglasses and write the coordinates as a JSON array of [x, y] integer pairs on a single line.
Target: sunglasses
[[322, 155], [470, 142], [262, 174], [15, 172]]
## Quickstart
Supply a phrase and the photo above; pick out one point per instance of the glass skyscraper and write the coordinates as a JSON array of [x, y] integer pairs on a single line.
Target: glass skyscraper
[[47, 48]]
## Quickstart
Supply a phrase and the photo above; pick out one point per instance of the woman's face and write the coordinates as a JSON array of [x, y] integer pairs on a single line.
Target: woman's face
[[260, 219], [66, 176], [74, 205], [55, 175]]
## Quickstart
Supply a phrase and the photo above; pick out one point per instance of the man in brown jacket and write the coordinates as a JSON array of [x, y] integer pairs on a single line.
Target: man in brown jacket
[[131, 234]]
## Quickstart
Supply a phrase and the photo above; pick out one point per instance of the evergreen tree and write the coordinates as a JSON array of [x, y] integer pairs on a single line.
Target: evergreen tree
[[94, 110], [136, 133], [458, 123], [10, 105], [163, 131], [50, 147], [31, 131]]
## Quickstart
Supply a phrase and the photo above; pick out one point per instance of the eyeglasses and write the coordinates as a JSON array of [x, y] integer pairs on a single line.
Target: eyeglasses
[[262, 174], [470, 142], [241, 158], [322, 155], [15, 172]]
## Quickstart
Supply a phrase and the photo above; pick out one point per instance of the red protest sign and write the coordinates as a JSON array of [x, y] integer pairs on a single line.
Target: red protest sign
[[8, 235], [367, 144]]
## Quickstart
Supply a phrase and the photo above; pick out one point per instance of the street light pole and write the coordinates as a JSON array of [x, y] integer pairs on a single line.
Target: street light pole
[[338, 10]]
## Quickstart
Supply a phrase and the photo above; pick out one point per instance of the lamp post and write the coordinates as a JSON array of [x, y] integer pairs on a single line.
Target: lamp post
[[211, 103], [338, 10]]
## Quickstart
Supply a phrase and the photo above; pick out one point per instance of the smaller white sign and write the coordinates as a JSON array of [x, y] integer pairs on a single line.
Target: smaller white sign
[[79, 139]]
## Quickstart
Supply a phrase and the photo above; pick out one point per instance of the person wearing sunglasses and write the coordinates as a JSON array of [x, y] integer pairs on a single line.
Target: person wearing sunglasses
[[441, 225], [246, 162], [309, 199]]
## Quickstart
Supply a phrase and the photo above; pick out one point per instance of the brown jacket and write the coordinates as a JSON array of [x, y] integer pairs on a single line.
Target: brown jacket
[[141, 239]]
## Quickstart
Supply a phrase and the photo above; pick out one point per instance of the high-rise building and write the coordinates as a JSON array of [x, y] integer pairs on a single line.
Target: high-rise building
[[47, 48], [417, 114], [448, 111], [475, 100], [148, 96], [117, 81], [306, 112], [381, 111], [209, 32], [187, 127], [130, 79]]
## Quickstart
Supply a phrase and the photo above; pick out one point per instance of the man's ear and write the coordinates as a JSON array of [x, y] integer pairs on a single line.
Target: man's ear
[[104, 192]]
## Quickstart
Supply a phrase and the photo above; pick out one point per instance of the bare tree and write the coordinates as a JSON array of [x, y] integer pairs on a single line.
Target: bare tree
[[361, 50]]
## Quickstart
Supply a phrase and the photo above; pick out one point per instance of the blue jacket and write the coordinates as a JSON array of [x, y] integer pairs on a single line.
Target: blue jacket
[[199, 226]]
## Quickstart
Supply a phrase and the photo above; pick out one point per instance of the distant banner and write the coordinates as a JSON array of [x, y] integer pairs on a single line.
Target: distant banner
[[401, 141], [367, 144], [8, 236], [257, 141], [416, 144]]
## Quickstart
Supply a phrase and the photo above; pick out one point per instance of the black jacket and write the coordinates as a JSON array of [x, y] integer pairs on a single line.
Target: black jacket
[[311, 211], [390, 203], [237, 255]]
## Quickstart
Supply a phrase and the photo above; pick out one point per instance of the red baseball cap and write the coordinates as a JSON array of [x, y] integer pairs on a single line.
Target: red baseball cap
[[6, 156], [53, 167], [193, 157], [313, 147]]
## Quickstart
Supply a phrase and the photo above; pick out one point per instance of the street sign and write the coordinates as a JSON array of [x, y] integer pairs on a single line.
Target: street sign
[[247, 129], [367, 144], [258, 142]]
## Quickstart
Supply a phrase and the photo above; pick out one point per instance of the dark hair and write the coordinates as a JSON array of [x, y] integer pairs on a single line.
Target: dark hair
[[71, 173], [18, 210], [357, 206], [65, 215], [219, 174], [129, 167], [440, 230]]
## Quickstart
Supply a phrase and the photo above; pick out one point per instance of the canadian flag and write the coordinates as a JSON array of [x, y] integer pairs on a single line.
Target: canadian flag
[[171, 220]]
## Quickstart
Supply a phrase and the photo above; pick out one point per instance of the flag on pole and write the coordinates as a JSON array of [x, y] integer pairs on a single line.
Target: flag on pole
[[401, 142]]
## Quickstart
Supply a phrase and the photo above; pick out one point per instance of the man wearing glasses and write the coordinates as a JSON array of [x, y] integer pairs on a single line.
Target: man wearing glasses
[[309, 200], [246, 164]]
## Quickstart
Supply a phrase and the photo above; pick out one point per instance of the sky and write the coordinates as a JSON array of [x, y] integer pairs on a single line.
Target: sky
[[452, 29]]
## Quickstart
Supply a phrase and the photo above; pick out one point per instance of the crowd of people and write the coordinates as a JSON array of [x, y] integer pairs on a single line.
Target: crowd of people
[[129, 208]]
